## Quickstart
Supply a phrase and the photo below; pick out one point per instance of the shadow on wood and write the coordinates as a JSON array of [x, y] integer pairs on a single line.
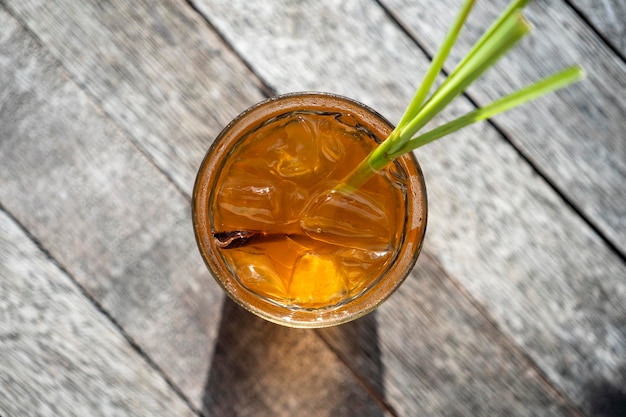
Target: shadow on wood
[[357, 344], [607, 399], [259, 368]]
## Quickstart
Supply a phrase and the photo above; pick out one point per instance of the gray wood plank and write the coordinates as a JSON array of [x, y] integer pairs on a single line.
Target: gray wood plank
[[575, 137], [120, 228], [608, 17], [549, 281], [448, 359], [74, 180], [155, 67], [60, 355]]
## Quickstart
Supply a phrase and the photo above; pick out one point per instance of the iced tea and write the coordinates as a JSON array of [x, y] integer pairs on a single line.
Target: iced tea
[[279, 228]]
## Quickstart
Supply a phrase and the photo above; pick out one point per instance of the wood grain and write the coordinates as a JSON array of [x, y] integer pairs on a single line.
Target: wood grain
[[111, 219], [155, 67], [498, 228], [608, 17], [60, 355], [459, 362]]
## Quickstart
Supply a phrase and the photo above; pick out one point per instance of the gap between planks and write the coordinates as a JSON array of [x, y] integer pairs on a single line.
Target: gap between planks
[[609, 44], [505, 341]]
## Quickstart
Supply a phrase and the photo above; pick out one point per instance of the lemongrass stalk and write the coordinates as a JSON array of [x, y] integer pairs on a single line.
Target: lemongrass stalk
[[538, 89], [436, 64], [508, 29], [549, 84], [511, 9], [494, 30], [506, 36]]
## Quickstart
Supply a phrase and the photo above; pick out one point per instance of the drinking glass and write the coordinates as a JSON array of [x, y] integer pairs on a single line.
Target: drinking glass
[[276, 232]]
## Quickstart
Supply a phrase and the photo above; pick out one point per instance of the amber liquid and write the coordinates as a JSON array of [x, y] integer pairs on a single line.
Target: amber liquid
[[284, 234]]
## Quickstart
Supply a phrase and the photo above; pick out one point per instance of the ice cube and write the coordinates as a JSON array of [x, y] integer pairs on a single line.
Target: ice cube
[[258, 273], [253, 198], [283, 250], [353, 219], [246, 201], [295, 148], [293, 200], [362, 267], [316, 281], [331, 146]]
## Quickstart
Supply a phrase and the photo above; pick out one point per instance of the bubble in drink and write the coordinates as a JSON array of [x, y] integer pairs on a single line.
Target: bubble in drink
[[298, 244]]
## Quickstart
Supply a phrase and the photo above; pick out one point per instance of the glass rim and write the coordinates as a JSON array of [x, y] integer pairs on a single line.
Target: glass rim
[[306, 318]]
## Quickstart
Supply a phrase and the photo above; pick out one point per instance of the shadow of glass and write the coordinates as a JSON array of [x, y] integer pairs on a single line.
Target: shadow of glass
[[607, 399], [356, 344], [259, 368]]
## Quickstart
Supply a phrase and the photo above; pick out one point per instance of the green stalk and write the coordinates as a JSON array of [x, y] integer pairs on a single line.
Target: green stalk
[[513, 7], [505, 37], [508, 29], [436, 64], [540, 88], [493, 30]]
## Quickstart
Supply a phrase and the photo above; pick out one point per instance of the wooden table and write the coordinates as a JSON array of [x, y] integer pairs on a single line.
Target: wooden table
[[517, 306]]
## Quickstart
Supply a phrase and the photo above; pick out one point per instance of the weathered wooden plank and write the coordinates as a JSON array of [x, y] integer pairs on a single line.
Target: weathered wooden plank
[[75, 181], [548, 280], [575, 137], [447, 359], [60, 355], [608, 17], [155, 67], [115, 223]]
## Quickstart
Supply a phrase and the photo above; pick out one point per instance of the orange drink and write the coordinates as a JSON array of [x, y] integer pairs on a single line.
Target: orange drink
[[279, 234]]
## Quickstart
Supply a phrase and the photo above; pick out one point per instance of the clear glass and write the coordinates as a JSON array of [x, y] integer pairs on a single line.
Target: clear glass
[[262, 192]]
